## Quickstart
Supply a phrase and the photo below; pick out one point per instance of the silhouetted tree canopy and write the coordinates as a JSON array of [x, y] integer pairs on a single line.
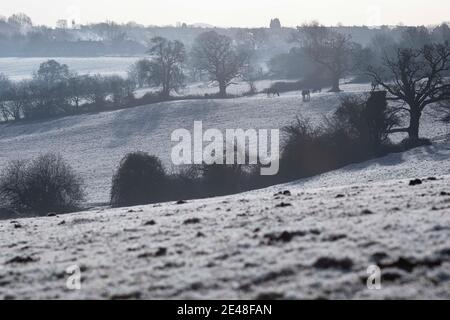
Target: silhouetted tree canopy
[[327, 47], [275, 24], [166, 64], [415, 78], [216, 54]]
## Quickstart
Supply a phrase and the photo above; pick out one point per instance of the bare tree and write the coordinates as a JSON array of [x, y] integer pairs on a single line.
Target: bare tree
[[97, 91], [77, 89], [216, 54], [415, 77], [415, 37], [167, 58], [16, 99], [52, 71], [140, 72], [251, 71], [5, 88], [326, 47], [20, 21]]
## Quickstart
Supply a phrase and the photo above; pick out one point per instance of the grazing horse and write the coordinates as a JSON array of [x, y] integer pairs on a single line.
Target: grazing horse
[[272, 92], [306, 94]]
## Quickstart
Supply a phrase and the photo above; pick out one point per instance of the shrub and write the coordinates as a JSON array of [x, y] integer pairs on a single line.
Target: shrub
[[185, 183], [368, 122], [140, 179], [356, 132], [299, 139], [46, 184], [220, 179], [311, 81], [309, 151]]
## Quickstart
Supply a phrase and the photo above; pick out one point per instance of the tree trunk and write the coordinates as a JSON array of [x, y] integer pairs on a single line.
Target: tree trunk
[[165, 92], [223, 90], [335, 87], [414, 124]]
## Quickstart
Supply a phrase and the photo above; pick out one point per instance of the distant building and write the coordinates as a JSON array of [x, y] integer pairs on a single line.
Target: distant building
[[75, 25], [275, 24], [62, 24], [181, 25]]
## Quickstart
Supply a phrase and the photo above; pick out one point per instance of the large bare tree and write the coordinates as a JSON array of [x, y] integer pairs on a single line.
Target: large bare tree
[[415, 77], [328, 48], [217, 55], [166, 66]]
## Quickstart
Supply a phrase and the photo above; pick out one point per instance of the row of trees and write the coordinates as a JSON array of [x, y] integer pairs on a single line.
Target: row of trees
[[54, 90], [414, 76], [214, 55], [414, 71], [415, 79], [331, 51]]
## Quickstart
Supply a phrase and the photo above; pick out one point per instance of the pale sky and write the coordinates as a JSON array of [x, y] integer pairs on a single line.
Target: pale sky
[[239, 13]]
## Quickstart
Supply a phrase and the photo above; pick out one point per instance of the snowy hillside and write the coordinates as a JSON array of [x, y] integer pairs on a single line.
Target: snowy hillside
[[308, 243], [95, 143], [315, 239]]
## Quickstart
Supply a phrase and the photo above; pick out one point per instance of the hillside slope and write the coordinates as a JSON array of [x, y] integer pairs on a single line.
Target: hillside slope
[[94, 143], [311, 243], [315, 241]]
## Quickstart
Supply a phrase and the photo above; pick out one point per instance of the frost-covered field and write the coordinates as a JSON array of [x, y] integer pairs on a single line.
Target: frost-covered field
[[311, 243], [315, 241], [95, 143], [23, 68]]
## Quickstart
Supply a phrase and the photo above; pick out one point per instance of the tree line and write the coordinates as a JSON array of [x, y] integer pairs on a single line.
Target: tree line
[[413, 70], [55, 90]]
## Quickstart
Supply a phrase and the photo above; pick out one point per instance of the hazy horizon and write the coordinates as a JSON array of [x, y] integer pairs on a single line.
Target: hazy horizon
[[235, 13]]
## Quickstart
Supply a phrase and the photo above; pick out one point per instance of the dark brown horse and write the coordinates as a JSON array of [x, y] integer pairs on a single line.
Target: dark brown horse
[[272, 92], [306, 94]]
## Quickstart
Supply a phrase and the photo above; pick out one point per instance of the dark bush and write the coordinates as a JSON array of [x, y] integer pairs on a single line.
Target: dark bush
[[300, 137], [367, 121], [220, 179], [309, 151], [312, 82], [293, 65], [186, 183], [46, 184], [140, 179], [357, 132]]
